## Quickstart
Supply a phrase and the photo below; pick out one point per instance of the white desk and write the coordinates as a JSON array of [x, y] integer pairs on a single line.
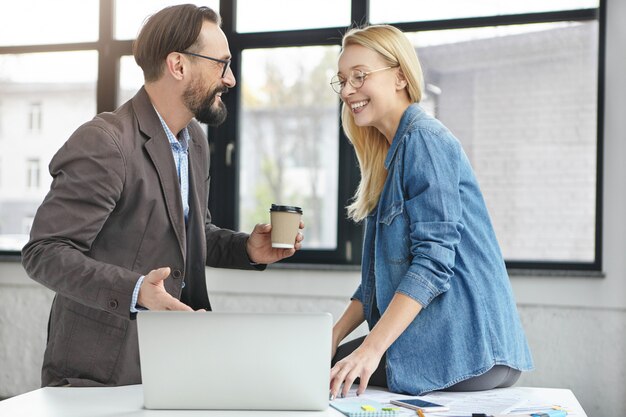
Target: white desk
[[127, 401]]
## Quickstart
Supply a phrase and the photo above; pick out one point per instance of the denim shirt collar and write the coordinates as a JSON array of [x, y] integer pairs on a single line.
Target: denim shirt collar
[[411, 114]]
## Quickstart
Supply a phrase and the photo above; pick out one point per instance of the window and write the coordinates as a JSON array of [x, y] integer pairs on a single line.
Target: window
[[32, 173], [275, 15], [131, 79], [44, 108], [34, 117], [41, 22], [282, 141], [289, 142], [490, 67], [130, 15], [384, 11], [520, 100]]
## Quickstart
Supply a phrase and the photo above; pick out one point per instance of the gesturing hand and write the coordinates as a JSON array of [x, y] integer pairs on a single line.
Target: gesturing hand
[[260, 248], [152, 294]]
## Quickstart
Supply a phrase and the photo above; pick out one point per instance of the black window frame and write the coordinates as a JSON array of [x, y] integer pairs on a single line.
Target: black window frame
[[223, 140]]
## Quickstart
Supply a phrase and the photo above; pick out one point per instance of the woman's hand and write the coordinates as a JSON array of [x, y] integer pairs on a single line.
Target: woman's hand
[[365, 359], [359, 364]]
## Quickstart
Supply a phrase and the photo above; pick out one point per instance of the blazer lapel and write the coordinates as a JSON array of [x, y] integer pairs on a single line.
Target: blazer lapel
[[194, 293], [196, 181], [158, 148]]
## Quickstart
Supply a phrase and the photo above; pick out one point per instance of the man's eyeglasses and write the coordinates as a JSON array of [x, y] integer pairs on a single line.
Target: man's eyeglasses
[[225, 62], [356, 79]]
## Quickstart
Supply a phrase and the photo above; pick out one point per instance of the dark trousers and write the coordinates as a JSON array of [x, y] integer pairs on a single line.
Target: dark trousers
[[500, 376]]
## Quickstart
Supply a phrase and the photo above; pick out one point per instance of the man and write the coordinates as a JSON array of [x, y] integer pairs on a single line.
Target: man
[[125, 225]]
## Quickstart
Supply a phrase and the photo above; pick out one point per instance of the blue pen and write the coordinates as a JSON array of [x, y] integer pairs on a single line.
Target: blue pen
[[550, 413]]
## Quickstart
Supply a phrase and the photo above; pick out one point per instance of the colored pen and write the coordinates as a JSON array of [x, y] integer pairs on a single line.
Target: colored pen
[[419, 412], [550, 413], [547, 413]]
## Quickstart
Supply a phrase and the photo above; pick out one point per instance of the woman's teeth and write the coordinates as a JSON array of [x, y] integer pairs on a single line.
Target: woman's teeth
[[359, 104]]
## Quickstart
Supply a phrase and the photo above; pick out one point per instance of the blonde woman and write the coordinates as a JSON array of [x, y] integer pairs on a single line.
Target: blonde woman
[[434, 288]]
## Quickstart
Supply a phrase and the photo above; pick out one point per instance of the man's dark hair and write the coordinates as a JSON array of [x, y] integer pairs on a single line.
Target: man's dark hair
[[172, 29]]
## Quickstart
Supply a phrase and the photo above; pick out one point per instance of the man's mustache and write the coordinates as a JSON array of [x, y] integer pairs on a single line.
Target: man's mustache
[[224, 90]]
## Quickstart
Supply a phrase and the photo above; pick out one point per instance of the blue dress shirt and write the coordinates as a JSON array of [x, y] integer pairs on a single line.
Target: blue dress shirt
[[180, 152]]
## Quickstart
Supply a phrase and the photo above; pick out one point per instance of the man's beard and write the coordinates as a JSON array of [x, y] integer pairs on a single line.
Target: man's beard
[[202, 106]]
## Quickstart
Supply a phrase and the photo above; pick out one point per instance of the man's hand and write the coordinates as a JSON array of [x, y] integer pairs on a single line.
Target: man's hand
[[152, 294], [260, 248]]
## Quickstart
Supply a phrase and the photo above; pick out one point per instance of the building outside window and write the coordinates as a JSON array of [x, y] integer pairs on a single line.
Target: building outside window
[[67, 94], [520, 100]]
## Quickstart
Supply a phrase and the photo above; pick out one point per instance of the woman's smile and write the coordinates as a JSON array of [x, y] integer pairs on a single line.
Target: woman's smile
[[358, 106]]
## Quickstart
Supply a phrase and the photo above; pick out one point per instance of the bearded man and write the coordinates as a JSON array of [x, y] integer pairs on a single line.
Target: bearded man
[[126, 226]]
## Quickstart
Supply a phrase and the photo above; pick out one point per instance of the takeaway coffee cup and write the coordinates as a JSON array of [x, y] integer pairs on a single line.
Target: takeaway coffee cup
[[285, 225]]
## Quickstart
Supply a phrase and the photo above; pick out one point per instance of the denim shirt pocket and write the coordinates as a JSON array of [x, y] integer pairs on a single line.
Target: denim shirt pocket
[[389, 213], [393, 240]]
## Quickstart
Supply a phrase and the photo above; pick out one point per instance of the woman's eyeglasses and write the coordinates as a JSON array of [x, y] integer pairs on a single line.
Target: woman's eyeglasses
[[356, 79]]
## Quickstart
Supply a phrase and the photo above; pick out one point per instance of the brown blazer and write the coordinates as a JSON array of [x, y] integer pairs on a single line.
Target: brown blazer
[[114, 213]]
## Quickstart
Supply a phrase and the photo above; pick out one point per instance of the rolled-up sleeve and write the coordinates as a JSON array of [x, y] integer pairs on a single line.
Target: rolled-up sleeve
[[431, 184], [358, 295]]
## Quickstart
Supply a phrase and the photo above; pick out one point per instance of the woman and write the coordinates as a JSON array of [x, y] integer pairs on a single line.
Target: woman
[[434, 288]]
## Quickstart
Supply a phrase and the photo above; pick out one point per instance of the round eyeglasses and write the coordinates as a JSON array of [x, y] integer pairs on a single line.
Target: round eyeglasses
[[356, 79], [225, 62]]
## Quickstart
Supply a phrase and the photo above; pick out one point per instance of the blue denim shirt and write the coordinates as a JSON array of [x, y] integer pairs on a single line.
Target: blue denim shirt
[[431, 238]]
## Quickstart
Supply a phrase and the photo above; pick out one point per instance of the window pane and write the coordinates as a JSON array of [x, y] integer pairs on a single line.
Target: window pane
[[290, 138], [275, 15], [523, 101], [38, 22], [44, 108], [130, 15], [388, 11], [131, 79]]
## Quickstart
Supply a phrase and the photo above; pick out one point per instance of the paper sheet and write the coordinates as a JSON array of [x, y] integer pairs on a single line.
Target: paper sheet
[[488, 402], [460, 403]]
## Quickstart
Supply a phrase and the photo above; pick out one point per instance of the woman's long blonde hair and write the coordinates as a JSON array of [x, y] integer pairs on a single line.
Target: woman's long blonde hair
[[369, 143]]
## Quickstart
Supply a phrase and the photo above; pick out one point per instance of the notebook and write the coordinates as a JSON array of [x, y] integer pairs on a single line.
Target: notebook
[[361, 407], [235, 361]]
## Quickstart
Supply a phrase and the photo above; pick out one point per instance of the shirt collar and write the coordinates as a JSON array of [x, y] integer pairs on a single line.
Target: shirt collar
[[412, 113], [182, 141]]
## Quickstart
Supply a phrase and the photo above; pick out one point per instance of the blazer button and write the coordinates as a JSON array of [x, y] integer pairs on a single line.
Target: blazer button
[[176, 274], [113, 303]]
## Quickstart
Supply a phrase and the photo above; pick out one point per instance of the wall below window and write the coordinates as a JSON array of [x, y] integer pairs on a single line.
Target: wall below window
[[24, 308], [582, 349]]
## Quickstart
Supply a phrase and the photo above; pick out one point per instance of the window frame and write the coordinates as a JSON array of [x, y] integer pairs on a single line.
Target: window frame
[[223, 140]]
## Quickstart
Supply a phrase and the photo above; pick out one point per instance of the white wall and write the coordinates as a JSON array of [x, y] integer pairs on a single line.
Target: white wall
[[576, 326]]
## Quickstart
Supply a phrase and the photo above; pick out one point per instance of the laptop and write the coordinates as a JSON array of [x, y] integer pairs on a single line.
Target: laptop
[[235, 361]]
